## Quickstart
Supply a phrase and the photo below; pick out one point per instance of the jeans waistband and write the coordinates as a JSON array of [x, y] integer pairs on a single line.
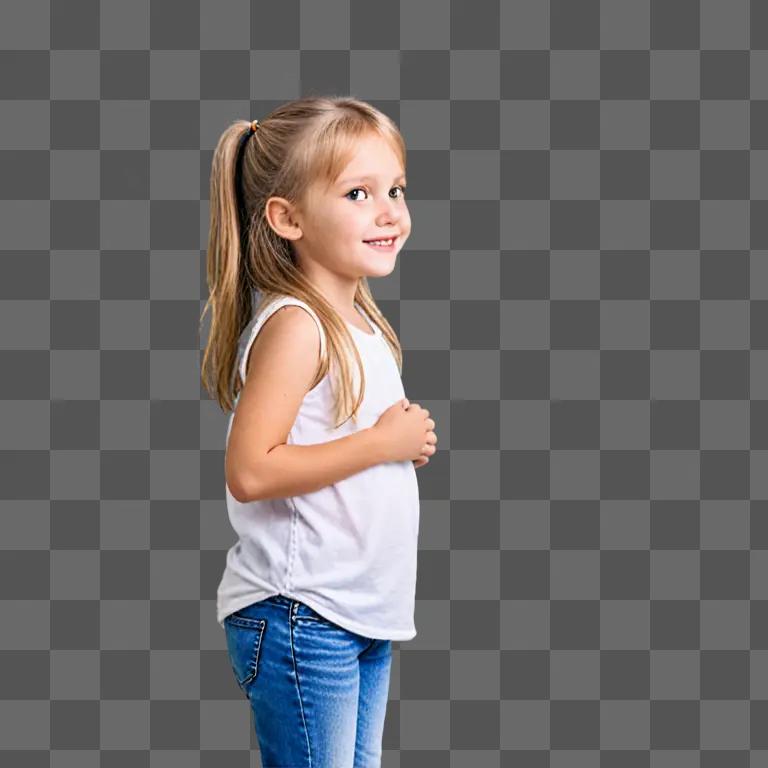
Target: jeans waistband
[[280, 599]]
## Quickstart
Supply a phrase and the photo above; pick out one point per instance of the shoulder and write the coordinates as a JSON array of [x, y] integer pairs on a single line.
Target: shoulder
[[295, 319], [289, 334]]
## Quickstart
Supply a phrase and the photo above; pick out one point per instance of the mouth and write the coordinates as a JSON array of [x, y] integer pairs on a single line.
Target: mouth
[[385, 246]]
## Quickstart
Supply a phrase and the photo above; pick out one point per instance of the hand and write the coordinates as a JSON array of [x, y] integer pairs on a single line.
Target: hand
[[406, 432], [423, 459]]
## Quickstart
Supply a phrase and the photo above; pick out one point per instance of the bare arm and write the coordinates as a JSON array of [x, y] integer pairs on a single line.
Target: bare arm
[[293, 470], [260, 464]]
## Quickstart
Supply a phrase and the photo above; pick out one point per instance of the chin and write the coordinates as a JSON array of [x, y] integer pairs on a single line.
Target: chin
[[381, 268]]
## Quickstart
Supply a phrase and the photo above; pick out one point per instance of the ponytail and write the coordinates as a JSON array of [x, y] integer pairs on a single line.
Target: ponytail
[[230, 295]]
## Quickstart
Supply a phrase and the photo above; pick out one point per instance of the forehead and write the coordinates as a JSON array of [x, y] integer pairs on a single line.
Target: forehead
[[372, 156], [385, 178]]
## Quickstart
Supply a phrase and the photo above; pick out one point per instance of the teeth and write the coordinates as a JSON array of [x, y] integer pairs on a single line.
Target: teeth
[[381, 242]]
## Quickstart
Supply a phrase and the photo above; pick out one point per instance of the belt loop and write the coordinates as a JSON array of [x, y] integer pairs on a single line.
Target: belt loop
[[294, 608]]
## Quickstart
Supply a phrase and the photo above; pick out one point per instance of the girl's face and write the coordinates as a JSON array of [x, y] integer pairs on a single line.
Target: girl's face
[[366, 202]]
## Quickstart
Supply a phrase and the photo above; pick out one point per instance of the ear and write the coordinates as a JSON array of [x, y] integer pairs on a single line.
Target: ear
[[281, 215]]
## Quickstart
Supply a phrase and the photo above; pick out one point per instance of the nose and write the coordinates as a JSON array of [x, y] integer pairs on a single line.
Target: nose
[[392, 211]]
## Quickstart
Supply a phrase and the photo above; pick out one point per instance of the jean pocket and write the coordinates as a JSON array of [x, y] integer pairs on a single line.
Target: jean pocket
[[245, 637]]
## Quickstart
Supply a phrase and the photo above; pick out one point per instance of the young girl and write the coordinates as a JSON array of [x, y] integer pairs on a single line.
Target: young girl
[[322, 445]]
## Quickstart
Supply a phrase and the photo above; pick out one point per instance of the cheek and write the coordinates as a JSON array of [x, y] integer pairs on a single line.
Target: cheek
[[406, 222], [355, 228], [341, 222]]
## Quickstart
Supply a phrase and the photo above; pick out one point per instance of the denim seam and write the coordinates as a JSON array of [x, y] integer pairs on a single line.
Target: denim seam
[[291, 616], [260, 642]]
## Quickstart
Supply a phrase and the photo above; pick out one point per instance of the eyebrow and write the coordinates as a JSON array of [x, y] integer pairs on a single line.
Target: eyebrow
[[345, 182]]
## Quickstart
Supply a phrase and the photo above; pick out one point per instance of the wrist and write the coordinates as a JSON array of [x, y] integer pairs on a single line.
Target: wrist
[[376, 444]]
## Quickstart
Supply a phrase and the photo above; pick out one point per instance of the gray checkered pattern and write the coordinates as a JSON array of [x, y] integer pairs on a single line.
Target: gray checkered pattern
[[583, 307]]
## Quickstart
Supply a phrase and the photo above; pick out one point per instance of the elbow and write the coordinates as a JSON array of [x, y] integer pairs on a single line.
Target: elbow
[[236, 492], [238, 497], [252, 489], [246, 483], [243, 490]]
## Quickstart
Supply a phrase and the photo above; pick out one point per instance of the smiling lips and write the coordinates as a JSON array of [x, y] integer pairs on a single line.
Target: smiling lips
[[382, 245]]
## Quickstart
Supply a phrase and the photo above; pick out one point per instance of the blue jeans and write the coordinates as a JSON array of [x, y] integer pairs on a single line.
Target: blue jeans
[[318, 691]]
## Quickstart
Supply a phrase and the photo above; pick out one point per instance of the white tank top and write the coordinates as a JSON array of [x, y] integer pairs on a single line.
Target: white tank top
[[348, 550]]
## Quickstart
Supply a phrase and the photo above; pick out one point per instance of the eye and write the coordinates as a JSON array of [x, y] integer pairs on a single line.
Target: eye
[[363, 189], [356, 189]]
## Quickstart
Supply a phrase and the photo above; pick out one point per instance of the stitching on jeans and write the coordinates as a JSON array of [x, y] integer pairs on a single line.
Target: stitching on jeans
[[294, 606], [255, 661]]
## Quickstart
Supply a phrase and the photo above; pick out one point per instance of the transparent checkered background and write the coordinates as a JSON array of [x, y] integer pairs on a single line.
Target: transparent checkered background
[[583, 307]]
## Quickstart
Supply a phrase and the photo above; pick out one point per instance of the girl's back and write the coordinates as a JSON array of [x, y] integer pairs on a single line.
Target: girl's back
[[348, 550]]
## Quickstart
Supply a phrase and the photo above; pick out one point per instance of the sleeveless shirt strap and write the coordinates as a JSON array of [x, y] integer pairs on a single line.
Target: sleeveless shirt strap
[[265, 314]]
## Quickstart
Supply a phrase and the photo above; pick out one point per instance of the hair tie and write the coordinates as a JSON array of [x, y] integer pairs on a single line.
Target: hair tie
[[238, 181]]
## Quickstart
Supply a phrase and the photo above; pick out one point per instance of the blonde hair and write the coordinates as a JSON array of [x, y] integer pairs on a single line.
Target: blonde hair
[[299, 143]]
